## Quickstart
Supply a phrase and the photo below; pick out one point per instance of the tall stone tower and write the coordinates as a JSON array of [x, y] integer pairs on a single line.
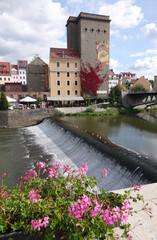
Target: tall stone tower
[[155, 83], [89, 34]]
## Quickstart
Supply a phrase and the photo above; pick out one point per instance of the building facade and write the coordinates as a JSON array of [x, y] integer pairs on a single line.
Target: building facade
[[64, 79], [5, 73], [22, 65], [146, 84], [37, 75], [89, 34], [113, 80]]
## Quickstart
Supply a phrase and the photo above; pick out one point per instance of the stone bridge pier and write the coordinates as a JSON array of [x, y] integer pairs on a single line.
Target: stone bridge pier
[[131, 100]]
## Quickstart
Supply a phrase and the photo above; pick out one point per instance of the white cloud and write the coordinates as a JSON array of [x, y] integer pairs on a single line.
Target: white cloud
[[125, 37], [123, 13], [146, 67], [114, 64], [146, 53], [29, 27], [150, 31]]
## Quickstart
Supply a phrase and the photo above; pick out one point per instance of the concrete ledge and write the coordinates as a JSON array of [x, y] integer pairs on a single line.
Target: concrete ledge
[[148, 229]]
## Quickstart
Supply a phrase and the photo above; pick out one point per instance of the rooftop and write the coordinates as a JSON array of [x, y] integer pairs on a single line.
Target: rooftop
[[64, 53]]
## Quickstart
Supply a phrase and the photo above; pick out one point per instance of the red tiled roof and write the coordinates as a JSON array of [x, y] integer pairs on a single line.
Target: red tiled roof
[[133, 81], [22, 63], [4, 68], [64, 53], [13, 66]]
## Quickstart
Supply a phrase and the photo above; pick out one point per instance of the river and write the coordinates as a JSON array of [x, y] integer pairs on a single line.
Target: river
[[21, 148]]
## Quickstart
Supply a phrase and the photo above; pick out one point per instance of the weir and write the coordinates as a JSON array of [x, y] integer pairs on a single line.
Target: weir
[[70, 146]]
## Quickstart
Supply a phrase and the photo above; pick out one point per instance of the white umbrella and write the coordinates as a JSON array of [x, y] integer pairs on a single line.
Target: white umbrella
[[28, 99], [10, 100]]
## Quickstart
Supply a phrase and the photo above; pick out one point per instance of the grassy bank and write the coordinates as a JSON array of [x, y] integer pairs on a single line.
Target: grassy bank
[[108, 111]]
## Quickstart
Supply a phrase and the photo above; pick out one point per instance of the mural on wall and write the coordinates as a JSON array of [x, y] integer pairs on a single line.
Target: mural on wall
[[103, 52]]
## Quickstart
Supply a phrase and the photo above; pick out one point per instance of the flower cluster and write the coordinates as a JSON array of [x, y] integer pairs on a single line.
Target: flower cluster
[[38, 223], [63, 198]]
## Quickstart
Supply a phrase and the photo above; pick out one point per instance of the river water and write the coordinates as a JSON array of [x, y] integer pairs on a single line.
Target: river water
[[21, 148]]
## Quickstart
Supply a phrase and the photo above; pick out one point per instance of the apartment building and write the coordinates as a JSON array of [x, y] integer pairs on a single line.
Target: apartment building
[[14, 73], [5, 73], [22, 65], [64, 79], [113, 79]]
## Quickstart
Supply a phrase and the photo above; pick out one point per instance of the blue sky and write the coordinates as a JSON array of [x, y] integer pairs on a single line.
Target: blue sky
[[31, 27]]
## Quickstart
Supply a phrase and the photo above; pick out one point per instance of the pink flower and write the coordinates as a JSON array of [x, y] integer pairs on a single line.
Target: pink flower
[[83, 169], [38, 223], [104, 171], [34, 196], [31, 173], [46, 221], [40, 165]]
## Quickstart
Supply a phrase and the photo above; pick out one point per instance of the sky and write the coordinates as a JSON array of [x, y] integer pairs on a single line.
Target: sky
[[29, 27]]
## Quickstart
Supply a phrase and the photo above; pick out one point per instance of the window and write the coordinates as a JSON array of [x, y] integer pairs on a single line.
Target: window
[[20, 77], [68, 92], [0, 79], [76, 83], [58, 92], [76, 92], [23, 77], [68, 64], [58, 83], [76, 75], [68, 83], [58, 64], [58, 74], [4, 79], [8, 79], [20, 72], [75, 64], [68, 74], [23, 72]]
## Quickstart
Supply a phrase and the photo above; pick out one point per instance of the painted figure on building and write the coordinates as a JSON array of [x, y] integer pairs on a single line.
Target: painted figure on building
[[103, 52]]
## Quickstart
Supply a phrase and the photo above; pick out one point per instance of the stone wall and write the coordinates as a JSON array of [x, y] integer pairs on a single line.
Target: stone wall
[[22, 118]]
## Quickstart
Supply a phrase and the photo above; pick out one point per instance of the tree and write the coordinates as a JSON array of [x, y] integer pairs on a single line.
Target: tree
[[115, 95], [91, 78], [3, 102], [152, 82], [138, 88]]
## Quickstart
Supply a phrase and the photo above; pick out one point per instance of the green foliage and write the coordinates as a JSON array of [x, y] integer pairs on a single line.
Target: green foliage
[[152, 82], [115, 95], [138, 88], [3, 102], [91, 110], [53, 193]]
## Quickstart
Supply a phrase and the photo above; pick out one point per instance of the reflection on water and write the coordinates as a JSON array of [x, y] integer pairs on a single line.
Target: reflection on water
[[128, 131]]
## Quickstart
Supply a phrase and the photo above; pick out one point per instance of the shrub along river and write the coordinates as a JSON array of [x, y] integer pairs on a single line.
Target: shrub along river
[[49, 141]]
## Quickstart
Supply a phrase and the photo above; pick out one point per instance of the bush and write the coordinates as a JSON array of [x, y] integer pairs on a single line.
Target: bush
[[3, 102], [65, 200], [138, 88]]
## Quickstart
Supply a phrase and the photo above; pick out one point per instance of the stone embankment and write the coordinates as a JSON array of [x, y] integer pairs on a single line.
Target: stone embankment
[[23, 118]]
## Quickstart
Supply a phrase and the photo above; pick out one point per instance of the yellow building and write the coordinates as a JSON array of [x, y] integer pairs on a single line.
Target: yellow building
[[64, 78]]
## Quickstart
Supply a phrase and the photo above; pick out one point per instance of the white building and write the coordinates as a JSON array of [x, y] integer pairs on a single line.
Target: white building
[[22, 65], [113, 80]]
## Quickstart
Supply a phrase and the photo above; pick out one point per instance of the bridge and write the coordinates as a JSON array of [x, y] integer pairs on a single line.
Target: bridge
[[133, 99]]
